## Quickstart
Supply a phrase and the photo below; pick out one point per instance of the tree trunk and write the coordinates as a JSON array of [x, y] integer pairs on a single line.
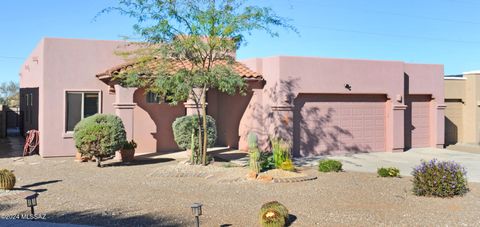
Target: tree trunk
[[200, 145], [99, 160], [205, 134]]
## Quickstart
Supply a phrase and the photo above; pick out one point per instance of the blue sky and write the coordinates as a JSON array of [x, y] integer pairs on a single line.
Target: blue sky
[[428, 31]]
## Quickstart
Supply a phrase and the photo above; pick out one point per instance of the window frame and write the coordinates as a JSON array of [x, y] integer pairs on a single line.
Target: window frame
[[69, 134]]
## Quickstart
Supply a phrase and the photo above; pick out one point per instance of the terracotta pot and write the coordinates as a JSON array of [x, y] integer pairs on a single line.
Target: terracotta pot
[[80, 158], [127, 154]]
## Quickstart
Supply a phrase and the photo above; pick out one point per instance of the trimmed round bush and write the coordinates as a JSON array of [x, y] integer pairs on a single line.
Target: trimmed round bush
[[439, 179], [327, 165], [99, 136], [182, 131], [388, 172], [273, 214]]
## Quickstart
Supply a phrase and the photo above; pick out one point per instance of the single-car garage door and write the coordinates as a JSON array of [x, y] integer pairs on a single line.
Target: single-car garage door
[[453, 121], [326, 124], [417, 121]]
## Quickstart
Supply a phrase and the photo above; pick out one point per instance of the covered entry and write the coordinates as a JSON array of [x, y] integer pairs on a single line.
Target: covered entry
[[417, 121], [334, 123]]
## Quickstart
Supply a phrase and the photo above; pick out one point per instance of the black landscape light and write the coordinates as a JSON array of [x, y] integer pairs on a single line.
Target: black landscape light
[[197, 211], [32, 202]]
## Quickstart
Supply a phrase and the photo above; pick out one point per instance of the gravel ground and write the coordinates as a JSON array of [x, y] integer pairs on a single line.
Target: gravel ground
[[160, 191]]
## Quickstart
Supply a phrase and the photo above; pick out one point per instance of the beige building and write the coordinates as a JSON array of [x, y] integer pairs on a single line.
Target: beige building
[[462, 115]]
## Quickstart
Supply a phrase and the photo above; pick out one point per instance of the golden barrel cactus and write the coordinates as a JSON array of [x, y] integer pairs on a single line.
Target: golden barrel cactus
[[7, 179]]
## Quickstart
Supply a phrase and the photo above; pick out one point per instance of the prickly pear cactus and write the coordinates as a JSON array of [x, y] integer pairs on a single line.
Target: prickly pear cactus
[[7, 179]]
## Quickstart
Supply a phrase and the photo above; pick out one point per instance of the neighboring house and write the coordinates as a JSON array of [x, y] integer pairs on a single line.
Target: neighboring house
[[462, 97], [322, 106]]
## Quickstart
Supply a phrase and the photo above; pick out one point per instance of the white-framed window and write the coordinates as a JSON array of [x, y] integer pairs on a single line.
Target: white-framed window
[[79, 105]]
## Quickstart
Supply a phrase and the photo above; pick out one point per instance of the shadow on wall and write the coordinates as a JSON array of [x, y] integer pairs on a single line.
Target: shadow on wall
[[451, 132], [228, 111], [162, 116], [315, 132]]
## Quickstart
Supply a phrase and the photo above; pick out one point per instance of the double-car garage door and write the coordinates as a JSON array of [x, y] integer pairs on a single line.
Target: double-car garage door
[[328, 124]]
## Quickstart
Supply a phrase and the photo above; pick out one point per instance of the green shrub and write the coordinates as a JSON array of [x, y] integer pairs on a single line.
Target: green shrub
[[7, 179], [130, 145], [440, 179], [388, 172], [99, 136], [281, 150], [266, 161], [327, 165], [273, 214], [184, 126]]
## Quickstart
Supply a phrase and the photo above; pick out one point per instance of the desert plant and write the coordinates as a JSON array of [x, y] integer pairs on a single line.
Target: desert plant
[[281, 151], [287, 165], [328, 165], [130, 145], [388, 172], [253, 153], [7, 179], [440, 179], [99, 136], [266, 161], [186, 126], [273, 214]]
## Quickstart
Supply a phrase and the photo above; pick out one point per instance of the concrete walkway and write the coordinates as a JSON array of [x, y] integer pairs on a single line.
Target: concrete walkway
[[405, 161]]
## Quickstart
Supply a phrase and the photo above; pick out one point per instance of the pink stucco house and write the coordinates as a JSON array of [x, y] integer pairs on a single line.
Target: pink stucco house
[[321, 105]]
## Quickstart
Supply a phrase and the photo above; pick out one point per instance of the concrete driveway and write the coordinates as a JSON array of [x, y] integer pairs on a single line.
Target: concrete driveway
[[405, 161]]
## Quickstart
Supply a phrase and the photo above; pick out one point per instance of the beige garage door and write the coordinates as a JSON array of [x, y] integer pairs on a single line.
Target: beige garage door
[[453, 121], [417, 122], [327, 124]]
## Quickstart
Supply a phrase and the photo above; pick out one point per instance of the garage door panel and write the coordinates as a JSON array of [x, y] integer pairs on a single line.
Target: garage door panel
[[418, 123], [340, 123]]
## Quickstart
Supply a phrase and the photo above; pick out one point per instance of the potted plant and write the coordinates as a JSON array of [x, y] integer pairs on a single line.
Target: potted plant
[[128, 151]]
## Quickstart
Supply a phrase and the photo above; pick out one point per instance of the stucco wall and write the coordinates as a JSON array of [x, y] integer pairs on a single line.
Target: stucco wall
[[287, 77], [153, 124], [70, 65]]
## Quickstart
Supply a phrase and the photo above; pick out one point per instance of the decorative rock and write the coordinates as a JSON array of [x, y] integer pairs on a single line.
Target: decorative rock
[[252, 176], [265, 178]]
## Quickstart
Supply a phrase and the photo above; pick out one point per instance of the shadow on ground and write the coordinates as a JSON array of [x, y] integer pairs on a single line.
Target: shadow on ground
[[139, 161], [103, 218]]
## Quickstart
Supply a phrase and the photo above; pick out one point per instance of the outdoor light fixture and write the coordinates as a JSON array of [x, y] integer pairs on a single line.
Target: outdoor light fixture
[[348, 87], [197, 211], [32, 202]]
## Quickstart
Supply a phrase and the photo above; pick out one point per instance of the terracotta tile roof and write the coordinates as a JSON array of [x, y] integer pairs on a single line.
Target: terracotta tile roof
[[238, 67]]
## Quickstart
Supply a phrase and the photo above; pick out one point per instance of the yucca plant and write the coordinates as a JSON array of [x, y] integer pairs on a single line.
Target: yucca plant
[[273, 214], [281, 151], [7, 179]]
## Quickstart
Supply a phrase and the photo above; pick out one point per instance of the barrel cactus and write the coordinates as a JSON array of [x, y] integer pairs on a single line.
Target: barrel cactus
[[7, 179], [273, 214]]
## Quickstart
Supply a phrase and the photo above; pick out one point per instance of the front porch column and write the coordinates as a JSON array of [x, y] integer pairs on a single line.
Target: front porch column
[[438, 124], [397, 128], [191, 107], [124, 107]]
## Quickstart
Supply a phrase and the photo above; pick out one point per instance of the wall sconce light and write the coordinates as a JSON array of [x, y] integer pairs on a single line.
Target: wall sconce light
[[348, 87]]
